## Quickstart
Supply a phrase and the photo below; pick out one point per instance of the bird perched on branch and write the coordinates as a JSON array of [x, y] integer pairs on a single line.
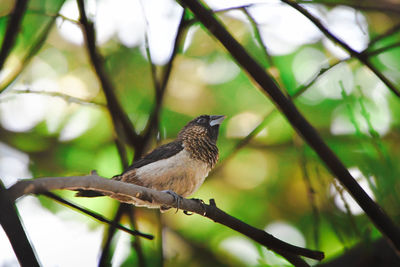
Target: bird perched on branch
[[178, 167]]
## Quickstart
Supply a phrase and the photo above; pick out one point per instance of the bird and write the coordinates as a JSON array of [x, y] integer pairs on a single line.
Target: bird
[[178, 167]]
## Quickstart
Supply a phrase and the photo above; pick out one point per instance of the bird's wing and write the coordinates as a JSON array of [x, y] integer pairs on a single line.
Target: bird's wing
[[161, 152]]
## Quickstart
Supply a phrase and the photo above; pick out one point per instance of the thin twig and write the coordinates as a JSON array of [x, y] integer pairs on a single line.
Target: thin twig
[[330, 216], [346, 205], [153, 69], [301, 89], [384, 49], [257, 35], [269, 116], [297, 120], [31, 52], [53, 15], [105, 259], [360, 56], [388, 33], [12, 30], [311, 196], [297, 92], [154, 119], [382, 6], [136, 243], [160, 231], [273, 70], [120, 118], [67, 98], [96, 216]]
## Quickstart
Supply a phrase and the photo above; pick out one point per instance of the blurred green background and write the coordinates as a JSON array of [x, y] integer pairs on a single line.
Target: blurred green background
[[54, 122]]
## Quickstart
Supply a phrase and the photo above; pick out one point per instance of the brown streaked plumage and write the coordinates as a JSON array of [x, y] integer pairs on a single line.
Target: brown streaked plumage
[[180, 166]]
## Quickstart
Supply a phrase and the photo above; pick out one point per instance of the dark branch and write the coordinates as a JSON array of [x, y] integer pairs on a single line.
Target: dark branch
[[154, 120], [388, 33], [12, 29], [258, 37], [363, 59], [105, 258], [301, 89], [30, 54], [130, 191], [382, 49], [136, 244], [15, 232], [120, 118], [305, 129], [268, 117], [381, 6]]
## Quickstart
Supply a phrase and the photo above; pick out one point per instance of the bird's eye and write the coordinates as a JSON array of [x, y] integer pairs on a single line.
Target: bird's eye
[[201, 120]]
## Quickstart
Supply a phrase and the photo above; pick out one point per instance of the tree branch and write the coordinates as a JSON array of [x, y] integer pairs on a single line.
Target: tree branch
[[30, 54], [129, 192], [12, 29], [136, 243], [105, 258], [305, 129], [382, 6], [388, 33], [302, 88], [382, 49], [363, 59], [67, 98], [15, 232], [118, 115], [161, 87]]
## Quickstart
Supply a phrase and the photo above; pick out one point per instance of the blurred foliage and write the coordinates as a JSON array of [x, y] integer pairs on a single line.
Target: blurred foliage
[[273, 178]]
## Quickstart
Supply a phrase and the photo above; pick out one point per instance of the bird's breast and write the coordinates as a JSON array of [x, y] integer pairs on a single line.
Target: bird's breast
[[180, 173]]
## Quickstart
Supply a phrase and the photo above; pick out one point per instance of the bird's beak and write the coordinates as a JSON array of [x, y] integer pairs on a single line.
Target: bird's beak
[[216, 119]]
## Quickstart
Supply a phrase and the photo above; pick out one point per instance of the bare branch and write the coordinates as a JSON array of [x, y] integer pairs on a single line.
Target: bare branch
[[37, 44], [128, 191], [301, 89], [118, 115], [137, 244], [382, 49], [15, 232], [66, 97], [105, 258], [258, 37], [389, 32], [154, 119], [361, 57], [382, 6], [12, 29], [309, 133]]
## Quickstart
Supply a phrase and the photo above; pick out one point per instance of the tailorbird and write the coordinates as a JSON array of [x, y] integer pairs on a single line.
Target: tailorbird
[[179, 167]]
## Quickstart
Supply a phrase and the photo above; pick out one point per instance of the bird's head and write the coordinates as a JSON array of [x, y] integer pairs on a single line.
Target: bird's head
[[206, 126]]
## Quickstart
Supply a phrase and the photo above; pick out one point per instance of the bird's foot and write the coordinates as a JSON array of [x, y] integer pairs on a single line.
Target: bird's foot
[[177, 199]]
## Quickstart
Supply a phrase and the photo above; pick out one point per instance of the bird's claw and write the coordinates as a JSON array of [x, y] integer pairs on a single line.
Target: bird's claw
[[202, 205], [177, 198]]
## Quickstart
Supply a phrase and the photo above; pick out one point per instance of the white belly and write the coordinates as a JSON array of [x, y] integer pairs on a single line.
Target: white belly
[[179, 173]]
